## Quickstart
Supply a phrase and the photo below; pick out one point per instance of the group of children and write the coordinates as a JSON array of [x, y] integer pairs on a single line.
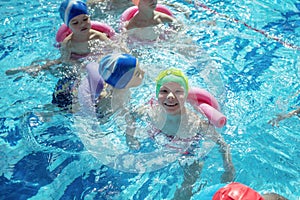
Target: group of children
[[105, 89]]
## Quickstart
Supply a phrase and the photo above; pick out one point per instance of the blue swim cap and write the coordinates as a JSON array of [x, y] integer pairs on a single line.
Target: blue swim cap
[[117, 69], [70, 9]]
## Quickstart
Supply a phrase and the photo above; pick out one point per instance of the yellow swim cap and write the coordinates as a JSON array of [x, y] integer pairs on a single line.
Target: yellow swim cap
[[172, 75]]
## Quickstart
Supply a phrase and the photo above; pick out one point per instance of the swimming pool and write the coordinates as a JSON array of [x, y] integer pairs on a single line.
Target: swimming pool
[[254, 48]]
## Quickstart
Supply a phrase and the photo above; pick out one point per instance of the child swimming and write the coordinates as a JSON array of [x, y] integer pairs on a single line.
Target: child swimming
[[106, 87], [173, 121], [280, 117], [104, 91], [75, 16], [75, 46]]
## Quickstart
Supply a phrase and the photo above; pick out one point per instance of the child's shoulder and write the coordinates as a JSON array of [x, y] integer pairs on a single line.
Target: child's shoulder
[[164, 17], [67, 41], [94, 35], [195, 120]]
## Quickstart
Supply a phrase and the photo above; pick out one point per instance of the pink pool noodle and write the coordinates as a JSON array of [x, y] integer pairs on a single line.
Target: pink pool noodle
[[64, 30], [133, 10], [206, 103], [213, 115]]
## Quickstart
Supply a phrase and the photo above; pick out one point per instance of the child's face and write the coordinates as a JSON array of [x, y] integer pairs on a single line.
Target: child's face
[[137, 77], [171, 97], [80, 24]]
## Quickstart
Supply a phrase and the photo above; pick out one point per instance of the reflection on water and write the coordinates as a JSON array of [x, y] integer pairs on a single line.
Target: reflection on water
[[253, 76]]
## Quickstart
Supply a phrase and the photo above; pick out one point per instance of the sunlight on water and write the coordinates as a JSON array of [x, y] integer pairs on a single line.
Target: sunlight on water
[[245, 53]]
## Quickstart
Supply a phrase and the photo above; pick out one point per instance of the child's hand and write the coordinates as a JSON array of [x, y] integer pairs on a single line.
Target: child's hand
[[132, 142], [275, 121], [13, 71], [227, 176]]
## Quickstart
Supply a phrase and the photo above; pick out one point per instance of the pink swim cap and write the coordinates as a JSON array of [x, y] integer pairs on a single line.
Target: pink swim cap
[[236, 191]]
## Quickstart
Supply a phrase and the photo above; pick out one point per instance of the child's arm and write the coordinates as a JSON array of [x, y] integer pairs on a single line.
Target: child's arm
[[130, 118], [229, 173], [131, 141], [175, 24], [224, 149], [34, 68], [280, 117]]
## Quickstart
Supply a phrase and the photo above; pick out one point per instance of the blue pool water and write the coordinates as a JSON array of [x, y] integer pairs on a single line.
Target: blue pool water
[[247, 55]]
